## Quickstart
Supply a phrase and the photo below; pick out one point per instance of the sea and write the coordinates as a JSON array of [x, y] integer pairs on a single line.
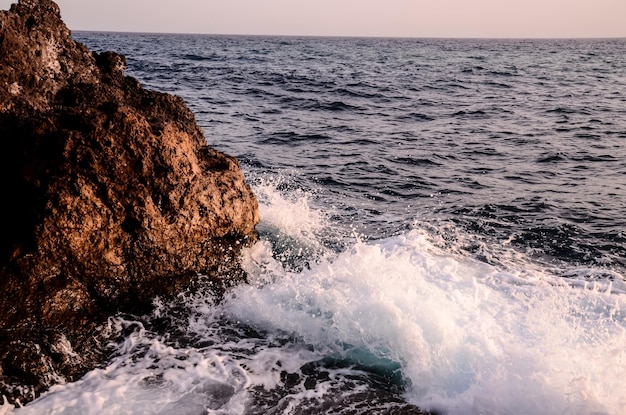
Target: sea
[[443, 229]]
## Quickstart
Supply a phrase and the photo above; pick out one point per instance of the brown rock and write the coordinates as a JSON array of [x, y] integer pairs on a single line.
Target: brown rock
[[110, 196]]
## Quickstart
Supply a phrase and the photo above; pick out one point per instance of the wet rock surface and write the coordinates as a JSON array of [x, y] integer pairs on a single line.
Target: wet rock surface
[[110, 197]]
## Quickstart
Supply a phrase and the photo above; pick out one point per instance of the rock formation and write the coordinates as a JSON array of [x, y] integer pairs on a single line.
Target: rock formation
[[110, 196]]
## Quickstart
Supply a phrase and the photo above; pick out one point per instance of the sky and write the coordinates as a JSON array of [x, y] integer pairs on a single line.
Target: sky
[[389, 18]]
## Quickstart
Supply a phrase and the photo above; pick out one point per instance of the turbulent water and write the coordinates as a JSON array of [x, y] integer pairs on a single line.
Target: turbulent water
[[443, 227]]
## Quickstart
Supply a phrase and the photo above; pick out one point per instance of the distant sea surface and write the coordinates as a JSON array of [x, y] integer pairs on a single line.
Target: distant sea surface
[[443, 227]]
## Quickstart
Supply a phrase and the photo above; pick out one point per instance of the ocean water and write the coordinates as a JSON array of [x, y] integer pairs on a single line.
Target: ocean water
[[443, 227]]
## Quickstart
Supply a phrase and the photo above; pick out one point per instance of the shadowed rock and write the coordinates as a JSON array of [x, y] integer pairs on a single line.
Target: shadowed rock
[[110, 196]]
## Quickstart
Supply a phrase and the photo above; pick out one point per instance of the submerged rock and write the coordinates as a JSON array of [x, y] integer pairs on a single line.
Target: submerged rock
[[110, 197]]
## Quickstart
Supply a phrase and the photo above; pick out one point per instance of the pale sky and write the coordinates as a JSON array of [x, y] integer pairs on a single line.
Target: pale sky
[[394, 18]]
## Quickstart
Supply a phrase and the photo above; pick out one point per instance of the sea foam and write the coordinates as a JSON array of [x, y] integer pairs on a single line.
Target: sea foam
[[470, 338]]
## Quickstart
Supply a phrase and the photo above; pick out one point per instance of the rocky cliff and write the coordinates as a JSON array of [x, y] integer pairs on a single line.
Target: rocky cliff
[[110, 196]]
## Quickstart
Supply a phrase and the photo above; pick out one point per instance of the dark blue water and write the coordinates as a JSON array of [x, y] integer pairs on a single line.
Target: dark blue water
[[443, 225]]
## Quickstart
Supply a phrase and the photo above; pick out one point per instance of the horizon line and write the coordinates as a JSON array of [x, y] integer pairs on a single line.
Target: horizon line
[[357, 36]]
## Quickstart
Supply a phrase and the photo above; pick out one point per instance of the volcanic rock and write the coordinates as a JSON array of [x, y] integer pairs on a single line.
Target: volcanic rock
[[110, 197]]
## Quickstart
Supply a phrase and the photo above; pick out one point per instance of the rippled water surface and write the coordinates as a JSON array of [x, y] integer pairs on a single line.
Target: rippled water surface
[[443, 227], [519, 140]]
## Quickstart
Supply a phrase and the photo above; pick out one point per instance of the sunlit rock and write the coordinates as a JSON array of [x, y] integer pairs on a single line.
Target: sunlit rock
[[110, 197]]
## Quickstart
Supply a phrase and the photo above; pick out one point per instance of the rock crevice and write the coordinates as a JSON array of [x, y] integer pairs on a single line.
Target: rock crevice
[[111, 196]]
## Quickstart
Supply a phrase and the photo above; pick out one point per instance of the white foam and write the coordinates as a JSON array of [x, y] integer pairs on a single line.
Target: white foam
[[289, 212], [470, 337], [151, 377]]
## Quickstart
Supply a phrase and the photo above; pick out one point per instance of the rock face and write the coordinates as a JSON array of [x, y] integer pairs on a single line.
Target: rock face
[[110, 196]]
